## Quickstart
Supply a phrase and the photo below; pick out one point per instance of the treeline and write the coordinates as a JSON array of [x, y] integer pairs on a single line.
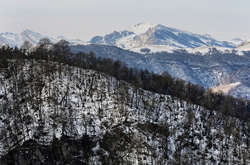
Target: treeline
[[163, 84]]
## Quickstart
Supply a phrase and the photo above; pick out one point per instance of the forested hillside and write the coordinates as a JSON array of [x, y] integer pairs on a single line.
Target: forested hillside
[[163, 84], [60, 108], [208, 70]]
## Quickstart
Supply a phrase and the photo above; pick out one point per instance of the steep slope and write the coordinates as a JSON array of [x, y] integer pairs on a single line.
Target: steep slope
[[158, 37], [57, 114]]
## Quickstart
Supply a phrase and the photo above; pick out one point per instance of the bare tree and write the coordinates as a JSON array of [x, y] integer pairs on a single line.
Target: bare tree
[[62, 47]]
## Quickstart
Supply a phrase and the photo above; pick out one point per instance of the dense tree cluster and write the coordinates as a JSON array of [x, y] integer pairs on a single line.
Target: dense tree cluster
[[32, 153], [163, 84]]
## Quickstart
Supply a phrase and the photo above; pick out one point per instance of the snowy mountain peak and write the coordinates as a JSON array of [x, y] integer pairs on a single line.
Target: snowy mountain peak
[[31, 36], [157, 37], [142, 27], [28, 32], [15, 39], [9, 35]]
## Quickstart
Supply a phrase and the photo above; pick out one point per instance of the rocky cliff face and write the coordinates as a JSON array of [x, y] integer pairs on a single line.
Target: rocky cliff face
[[57, 114]]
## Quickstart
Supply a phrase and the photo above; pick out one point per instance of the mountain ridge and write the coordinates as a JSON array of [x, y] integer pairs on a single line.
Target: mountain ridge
[[17, 39], [144, 35]]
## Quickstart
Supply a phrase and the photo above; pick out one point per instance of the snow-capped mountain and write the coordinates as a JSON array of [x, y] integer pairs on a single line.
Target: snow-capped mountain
[[10, 39], [34, 37], [141, 38], [13, 39], [158, 37]]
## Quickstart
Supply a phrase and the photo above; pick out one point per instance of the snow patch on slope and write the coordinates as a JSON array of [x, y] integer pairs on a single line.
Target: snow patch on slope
[[225, 88], [142, 28]]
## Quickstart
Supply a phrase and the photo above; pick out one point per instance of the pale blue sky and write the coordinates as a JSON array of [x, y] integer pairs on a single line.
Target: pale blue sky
[[224, 19]]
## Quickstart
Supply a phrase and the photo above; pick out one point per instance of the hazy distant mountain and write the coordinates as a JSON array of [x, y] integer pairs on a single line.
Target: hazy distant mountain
[[158, 37], [14, 39], [237, 41], [141, 38], [10, 39]]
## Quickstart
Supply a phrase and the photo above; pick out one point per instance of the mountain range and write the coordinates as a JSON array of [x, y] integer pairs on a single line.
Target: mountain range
[[157, 38], [200, 59], [141, 38]]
